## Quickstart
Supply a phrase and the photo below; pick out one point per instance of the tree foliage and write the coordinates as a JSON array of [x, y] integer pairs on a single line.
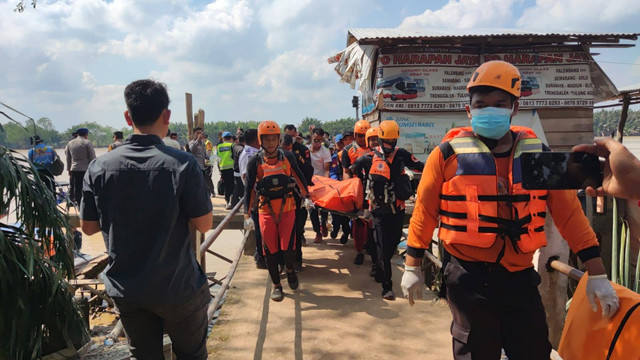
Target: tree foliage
[[606, 122], [35, 260]]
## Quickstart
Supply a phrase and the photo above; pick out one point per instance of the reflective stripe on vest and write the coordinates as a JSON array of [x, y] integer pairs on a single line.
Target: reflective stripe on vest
[[469, 200], [224, 153]]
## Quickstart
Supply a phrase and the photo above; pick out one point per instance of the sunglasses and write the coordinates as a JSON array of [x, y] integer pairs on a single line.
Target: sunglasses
[[317, 140]]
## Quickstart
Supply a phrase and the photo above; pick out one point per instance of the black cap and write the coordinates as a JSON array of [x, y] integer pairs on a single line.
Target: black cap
[[347, 133]]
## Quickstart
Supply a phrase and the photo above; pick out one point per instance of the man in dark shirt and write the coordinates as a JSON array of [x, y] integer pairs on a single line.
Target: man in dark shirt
[[238, 187], [143, 198], [303, 160]]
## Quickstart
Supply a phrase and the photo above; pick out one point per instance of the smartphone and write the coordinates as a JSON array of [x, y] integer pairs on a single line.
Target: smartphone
[[560, 170]]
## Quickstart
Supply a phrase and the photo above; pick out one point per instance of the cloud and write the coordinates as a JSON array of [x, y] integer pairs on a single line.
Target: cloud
[[581, 15], [463, 14]]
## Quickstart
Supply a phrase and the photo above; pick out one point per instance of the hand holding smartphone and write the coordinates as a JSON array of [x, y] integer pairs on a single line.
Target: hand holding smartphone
[[560, 170]]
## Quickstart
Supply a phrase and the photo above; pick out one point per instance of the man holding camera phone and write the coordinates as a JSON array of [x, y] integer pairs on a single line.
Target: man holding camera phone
[[490, 227]]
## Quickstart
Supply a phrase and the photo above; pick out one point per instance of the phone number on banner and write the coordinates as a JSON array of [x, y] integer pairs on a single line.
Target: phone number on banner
[[425, 106], [552, 103]]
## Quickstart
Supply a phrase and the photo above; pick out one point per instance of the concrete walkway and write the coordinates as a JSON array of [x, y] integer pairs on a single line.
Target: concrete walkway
[[337, 313]]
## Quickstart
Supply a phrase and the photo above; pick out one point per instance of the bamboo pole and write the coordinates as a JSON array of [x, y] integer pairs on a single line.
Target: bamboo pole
[[188, 101]]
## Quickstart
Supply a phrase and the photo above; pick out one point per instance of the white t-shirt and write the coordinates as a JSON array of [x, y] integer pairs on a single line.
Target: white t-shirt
[[318, 159], [243, 160]]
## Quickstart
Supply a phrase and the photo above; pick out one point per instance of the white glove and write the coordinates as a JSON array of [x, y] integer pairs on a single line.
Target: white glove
[[249, 225], [598, 286], [308, 204], [365, 215], [412, 283]]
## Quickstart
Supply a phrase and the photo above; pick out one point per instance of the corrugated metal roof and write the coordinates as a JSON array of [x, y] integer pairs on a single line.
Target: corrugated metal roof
[[397, 33], [630, 89]]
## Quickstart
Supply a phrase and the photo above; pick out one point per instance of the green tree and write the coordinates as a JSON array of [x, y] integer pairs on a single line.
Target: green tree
[[339, 126]]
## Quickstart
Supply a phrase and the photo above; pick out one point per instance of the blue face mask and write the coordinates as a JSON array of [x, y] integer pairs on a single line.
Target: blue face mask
[[491, 122]]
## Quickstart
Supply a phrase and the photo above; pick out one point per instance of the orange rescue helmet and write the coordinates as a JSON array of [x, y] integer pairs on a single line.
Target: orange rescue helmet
[[268, 127], [389, 130], [361, 127], [372, 132], [498, 74]]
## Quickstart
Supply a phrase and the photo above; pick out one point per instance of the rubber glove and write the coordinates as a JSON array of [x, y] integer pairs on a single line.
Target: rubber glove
[[249, 224], [412, 283], [308, 204], [598, 286]]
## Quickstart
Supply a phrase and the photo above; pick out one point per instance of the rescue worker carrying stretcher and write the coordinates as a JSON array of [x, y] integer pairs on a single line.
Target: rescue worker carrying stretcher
[[490, 227], [386, 190], [272, 179], [360, 168], [351, 152]]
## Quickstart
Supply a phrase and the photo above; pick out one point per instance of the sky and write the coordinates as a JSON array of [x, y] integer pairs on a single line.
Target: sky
[[244, 59]]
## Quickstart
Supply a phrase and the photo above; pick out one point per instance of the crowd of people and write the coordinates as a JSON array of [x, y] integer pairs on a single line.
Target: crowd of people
[[489, 225]]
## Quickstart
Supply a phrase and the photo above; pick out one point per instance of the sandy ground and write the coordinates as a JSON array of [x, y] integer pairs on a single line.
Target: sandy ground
[[337, 313]]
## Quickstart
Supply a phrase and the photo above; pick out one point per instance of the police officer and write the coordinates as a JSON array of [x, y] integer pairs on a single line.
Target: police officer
[[225, 164], [490, 228], [272, 179], [117, 140]]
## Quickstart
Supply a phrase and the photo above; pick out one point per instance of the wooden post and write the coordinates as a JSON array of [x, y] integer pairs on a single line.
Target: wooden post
[[200, 118], [188, 101], [553, 286]]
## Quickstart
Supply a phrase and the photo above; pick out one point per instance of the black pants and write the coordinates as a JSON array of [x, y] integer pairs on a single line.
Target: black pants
[[315, 220], [229, 183], [387, 230], [257, 235], [207, 180], [75, 183], [301, 220], [238, 190], [492, 309], [340, 221], [286, 256], [185, 323]]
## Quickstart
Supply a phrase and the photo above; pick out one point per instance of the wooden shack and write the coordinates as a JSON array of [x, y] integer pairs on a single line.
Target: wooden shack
[[418, 78]]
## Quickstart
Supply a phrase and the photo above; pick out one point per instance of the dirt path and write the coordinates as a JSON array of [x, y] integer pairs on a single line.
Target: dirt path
[[337, 313]]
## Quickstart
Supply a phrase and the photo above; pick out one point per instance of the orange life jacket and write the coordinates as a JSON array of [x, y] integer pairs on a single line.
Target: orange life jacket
[[469, 200], [384, 188], [275, 185], [354, 151]]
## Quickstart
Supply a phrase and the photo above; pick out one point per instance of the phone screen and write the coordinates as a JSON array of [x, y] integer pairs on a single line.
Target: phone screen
[[560, 170]]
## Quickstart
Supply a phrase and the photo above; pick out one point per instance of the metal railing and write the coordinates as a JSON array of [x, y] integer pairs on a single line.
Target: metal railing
[[225, 281]]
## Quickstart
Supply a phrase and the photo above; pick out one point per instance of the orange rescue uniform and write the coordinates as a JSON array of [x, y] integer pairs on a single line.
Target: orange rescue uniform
[[564, 206]]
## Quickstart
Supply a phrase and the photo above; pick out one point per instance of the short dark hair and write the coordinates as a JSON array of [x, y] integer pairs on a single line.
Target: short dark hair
[[290, 127], [241, 137], [250, 136], [487, 89], [318, 131], [287, 139], [196, 129], [176, 134], [118, 134], [146, 100]]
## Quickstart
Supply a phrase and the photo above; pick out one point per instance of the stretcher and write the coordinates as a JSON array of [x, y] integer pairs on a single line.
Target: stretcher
[[337, 197]]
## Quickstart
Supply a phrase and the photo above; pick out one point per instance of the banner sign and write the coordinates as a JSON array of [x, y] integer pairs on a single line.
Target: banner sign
[[421, 133], [435, 79]]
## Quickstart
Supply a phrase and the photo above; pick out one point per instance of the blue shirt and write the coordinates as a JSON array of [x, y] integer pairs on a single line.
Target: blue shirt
[[335, 171], [143, 195], [42, 155]]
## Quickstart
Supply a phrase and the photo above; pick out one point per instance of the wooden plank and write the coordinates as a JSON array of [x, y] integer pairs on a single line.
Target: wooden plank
[[569, 138], [80, 282], [201, 118], [188, 101], [567, 124], [565, 113]]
